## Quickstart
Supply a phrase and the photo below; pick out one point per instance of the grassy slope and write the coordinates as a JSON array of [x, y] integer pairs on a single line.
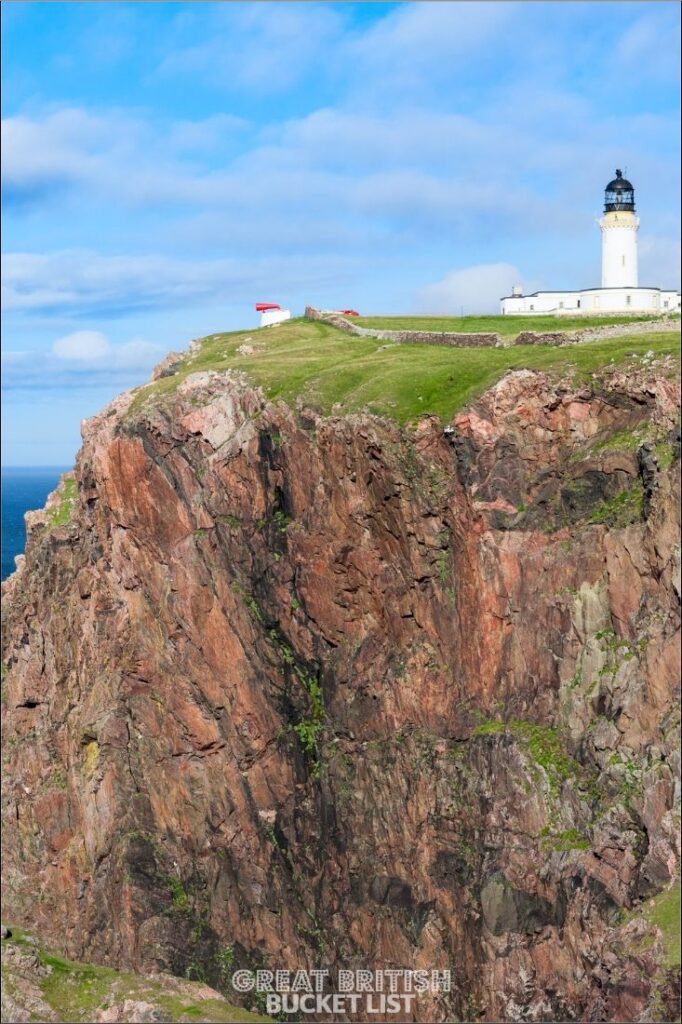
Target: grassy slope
[[506, 326], [328, 367], [60, 513], [664, 911], [75, 991]]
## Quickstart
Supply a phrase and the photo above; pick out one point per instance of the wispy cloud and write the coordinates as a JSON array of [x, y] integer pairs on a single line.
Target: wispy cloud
[[93, 348], [82, 359], [251, 46], [171, 163], [469, 290], [83, 283]]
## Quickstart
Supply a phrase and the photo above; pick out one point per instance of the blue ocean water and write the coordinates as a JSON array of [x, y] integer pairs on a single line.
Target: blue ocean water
[[22, 489]]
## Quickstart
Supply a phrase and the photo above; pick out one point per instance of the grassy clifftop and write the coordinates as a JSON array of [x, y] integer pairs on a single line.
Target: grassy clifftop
[[333, 371]]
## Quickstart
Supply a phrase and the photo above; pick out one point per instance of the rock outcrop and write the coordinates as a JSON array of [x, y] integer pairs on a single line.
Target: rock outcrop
[[39, 986], [326, 691]]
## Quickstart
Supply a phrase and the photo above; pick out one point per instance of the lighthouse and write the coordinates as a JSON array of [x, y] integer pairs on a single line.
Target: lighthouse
[[619, 227], [620, 290]]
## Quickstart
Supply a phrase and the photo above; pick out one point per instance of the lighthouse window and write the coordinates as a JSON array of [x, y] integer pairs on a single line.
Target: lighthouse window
[[578, 303], [623, 259], [628, 300]]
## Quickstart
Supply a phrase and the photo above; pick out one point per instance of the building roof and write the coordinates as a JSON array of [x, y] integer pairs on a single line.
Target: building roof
[[619, 184]]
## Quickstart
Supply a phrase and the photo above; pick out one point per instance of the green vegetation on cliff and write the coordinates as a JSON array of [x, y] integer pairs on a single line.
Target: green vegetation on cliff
[[542, 743], [664, 911], [336, 372], [60, 513], [36, 982], [625, 508]]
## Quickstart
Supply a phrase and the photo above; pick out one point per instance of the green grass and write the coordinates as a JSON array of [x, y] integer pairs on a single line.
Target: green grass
[[506, 326], [329, 368], [625, 508], [542, 744], [665, 454], [179, 896], [563, 841], [211, 1011], [60, 514], [664, 912], [76, 990], [623, 440]]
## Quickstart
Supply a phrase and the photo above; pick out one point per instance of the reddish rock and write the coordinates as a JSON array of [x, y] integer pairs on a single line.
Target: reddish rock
[[329, 692]]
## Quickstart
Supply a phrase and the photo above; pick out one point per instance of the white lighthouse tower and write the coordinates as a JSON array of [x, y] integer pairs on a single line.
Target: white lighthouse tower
[[619, 227], [620, 291]]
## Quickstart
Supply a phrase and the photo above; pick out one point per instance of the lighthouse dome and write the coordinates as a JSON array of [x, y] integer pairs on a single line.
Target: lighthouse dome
[[619, 194]]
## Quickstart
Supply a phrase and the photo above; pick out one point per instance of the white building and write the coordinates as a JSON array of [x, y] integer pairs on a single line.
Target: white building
[[620, 291], [271, 313]]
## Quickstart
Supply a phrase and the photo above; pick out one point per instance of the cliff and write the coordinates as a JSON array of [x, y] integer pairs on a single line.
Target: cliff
[[328, 690]]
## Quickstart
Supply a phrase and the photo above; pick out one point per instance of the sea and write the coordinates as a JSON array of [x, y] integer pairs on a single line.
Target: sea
[[23, 489]]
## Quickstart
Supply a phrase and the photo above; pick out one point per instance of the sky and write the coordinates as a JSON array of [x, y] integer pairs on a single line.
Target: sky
[[167, 165]]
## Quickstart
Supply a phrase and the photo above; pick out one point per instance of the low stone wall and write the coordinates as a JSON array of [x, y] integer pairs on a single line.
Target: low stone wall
[[595, 333], [550, 338], [614, 330], [436, 338], [489, 340]]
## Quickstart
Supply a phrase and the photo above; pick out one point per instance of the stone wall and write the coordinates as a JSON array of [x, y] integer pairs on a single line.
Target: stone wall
[[550, 338], [491, 339], [595, 333]]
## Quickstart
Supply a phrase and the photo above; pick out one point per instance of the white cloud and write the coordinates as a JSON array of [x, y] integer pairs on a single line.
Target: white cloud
[[82, 283], [81, 359], [476, 289], [61, 147], [379, 182], [78, 280], [94, 348], [249, 46], [206, 134], [410, 168], [12, 357], [649, 47], [418, 36], [82, 346]]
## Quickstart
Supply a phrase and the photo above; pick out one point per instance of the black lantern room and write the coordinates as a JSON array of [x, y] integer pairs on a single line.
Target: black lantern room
[[619, 195]]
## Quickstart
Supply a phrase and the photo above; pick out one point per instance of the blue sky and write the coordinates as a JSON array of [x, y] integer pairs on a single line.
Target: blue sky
[[167, 165]]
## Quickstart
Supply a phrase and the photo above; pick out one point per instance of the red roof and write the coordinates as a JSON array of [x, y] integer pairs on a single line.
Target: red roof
[[262, 306], [350, 312]]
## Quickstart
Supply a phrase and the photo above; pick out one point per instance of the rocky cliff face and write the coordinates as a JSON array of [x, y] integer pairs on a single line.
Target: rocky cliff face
[[295, 691]]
